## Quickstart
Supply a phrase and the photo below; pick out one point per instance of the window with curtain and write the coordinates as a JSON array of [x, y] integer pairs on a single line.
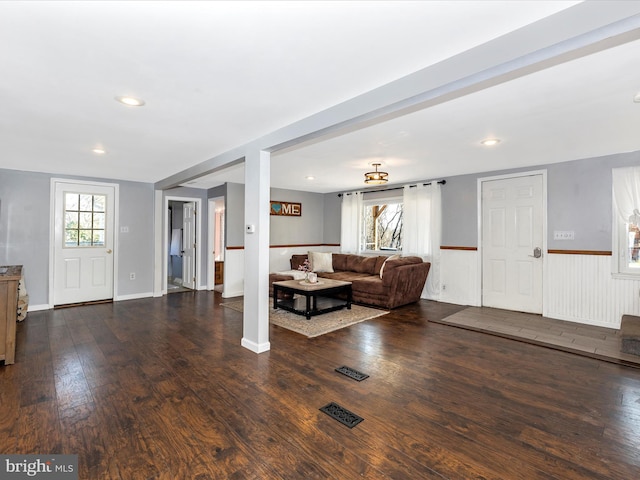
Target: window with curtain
[[411, 224], [626, 220], [350, 227], [422, 230]]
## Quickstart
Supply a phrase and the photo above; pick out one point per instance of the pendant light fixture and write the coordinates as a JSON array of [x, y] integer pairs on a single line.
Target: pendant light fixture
[[376, 178]]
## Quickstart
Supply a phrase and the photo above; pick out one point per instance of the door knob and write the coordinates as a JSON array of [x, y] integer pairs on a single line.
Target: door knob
[[109, 251], [537, 252]]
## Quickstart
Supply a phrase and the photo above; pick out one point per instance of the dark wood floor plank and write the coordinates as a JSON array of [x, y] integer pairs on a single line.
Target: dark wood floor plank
[[161, 389]]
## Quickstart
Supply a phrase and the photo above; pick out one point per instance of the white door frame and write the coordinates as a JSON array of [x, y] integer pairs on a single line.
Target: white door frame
[[544, 231], [52, 226], [165, 243], [211, 234]]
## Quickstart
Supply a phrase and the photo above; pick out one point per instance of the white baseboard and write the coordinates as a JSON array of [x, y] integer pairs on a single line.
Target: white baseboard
[[232, 294], [36, 308], [133, 296], [255, 347]]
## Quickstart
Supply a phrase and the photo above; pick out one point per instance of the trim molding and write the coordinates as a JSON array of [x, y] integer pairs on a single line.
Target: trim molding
[[296, 245], [450, 247], [580, 252]]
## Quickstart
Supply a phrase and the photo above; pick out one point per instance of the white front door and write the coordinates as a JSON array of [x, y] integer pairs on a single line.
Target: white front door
[[83, 242], [189, 245], [512, 243]]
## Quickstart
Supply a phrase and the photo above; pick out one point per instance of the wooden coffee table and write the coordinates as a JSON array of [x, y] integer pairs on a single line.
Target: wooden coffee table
[[313, 298]]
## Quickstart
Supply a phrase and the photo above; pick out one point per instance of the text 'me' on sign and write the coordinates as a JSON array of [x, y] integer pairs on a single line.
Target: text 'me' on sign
[[286, 209]]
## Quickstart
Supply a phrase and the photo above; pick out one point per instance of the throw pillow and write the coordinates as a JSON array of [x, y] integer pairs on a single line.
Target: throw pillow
[[392, 257], [321, 262]]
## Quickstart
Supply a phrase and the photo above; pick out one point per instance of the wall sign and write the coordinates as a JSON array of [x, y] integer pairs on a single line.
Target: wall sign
[[286, 209]]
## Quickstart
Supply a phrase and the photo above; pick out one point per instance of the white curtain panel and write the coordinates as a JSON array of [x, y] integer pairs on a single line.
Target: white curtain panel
[[626, 193], [422, 230], [351, 227]]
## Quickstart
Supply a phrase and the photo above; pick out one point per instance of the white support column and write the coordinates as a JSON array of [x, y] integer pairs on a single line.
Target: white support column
[[257, 178]]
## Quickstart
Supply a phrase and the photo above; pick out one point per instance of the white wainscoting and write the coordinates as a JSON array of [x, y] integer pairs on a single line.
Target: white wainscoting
[[233, 285], [278, 261], [459, 277], [580, 288]]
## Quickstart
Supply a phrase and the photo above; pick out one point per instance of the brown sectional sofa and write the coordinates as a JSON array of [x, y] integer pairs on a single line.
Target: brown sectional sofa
[[402, 281]]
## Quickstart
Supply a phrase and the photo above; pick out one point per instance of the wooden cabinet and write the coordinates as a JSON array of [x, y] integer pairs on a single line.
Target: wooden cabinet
[[9, 279], [219, 273]]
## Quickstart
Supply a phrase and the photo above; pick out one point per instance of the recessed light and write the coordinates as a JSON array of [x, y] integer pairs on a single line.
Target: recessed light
[[636, 98], [130, 101], [310, 177], [490, 142], [99, 151]]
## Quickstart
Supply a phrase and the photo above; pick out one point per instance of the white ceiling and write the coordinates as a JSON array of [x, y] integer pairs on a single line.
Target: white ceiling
[[216, 75]]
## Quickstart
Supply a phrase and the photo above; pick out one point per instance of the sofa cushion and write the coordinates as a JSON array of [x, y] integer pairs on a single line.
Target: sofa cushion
[[370, 284], [297, 260], [360, 264], [321, 262], [339, 262]]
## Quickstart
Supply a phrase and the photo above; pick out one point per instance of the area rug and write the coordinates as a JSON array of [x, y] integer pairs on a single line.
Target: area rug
[[318, 325]]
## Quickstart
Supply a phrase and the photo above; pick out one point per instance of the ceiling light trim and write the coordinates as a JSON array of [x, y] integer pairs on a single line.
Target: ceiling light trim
[[376, 177], [130, 101]]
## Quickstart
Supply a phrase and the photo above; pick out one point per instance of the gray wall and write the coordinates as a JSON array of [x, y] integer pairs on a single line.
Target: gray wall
[[303, 230], [24, 228], [578, 199], [135, 247], [24, 231], [306, 229], [332, 219], [234, 215]]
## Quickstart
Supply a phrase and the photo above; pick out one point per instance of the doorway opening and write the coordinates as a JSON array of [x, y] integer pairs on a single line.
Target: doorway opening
[[215, 261], [182, 246]]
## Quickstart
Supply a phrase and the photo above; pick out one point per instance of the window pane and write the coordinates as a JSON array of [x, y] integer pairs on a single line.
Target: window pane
[[84, 238], [99, 203], [71, 238], [71, 220], [98, 220], [98, 238], [71, 201], [86, 203], [86, 220]]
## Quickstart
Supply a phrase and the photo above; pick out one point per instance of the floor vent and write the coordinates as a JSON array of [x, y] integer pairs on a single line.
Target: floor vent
[[341, 414], [351, 373]]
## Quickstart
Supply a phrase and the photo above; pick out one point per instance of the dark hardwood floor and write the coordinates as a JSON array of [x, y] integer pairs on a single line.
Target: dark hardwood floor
[[161, 389]]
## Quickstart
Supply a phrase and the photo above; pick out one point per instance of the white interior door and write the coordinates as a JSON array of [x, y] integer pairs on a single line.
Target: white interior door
[[189, 245], [512, 242], [83, 242]]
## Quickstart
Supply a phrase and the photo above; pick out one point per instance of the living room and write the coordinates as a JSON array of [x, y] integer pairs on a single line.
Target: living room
[[158, 386]]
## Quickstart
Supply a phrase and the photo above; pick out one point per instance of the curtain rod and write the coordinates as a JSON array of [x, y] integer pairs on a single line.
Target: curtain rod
[[439, 182]]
